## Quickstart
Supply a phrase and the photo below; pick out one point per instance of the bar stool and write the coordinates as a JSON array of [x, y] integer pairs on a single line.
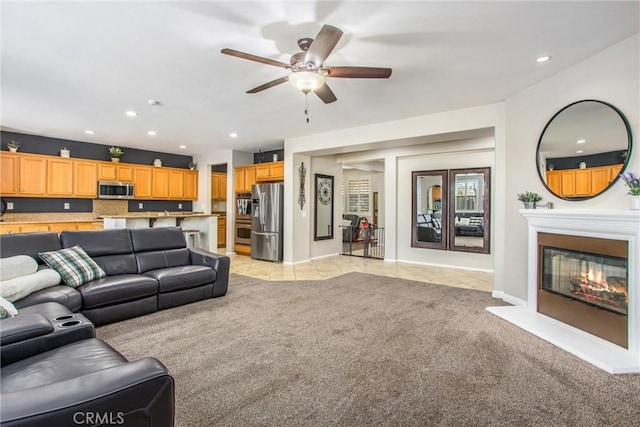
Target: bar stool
[[192, 238]]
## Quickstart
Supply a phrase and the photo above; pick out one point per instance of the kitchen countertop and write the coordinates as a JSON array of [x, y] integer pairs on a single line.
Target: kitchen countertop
[[57, 221], [160, 215]]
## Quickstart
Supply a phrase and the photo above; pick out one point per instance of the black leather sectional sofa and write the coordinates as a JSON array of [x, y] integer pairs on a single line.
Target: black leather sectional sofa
[[148, 269], [55, 372]]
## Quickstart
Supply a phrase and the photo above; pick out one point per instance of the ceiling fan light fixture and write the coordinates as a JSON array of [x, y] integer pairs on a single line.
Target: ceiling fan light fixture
[[306, 81]]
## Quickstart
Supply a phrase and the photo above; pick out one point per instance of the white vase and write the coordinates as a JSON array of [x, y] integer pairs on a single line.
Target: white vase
[[115, 159], [634, 204], [13, 149], [65, 153]]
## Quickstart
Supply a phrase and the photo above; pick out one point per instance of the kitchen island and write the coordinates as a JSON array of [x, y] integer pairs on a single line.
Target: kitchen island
[[206, 224]]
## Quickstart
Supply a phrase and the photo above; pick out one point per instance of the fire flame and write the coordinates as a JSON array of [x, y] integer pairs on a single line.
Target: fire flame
[[597, 277]]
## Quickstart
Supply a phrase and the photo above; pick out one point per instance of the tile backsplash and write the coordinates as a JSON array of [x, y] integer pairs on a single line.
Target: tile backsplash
[[100, 207]]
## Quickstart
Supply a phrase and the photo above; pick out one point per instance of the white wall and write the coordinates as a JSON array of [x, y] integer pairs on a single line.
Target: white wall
[[326, 165], [216, 157], [439, 161], [611, 76], [349, 140]]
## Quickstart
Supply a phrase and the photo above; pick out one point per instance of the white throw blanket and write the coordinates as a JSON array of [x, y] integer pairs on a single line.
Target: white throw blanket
[[19, 277], [16, 266]]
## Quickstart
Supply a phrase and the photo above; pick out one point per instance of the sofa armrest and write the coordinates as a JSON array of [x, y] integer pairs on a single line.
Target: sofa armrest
[[132, 394], [24, 327], [220, 263]]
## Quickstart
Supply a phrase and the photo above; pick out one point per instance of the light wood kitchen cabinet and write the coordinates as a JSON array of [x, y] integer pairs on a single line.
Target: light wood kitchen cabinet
[[9, 174], [245, 178], [554, 182], [191, 185], [582, 182], [218, 186], [600, 179], [9, 228], [222, 232], [32, 175], [107, 171], [33, 228], [142, 179], [59, 177], [270, 171], [57, 227], [85, 179], [160, 183], [124, 172], [115, 171], [176, 184]]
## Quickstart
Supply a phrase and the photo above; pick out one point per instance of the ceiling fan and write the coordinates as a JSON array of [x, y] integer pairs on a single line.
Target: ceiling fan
[[307, 71]]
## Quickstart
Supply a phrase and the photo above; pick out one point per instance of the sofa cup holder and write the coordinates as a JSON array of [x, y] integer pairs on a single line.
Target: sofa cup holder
[[70, 323], [67, 317]]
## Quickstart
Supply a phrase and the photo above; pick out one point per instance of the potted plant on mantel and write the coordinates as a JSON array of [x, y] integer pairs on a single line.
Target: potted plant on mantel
[[115, 153], [529, 199], [633, 184], [13, 146]]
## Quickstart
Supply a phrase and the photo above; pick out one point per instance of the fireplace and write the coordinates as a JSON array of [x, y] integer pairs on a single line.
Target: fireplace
[[583, 285], [583, 281]]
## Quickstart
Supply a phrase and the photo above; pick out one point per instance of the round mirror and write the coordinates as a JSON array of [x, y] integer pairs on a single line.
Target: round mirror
[[583, 149]]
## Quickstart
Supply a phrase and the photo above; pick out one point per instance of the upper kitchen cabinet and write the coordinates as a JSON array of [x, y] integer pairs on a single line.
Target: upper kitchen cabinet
[[191, 185], [9, 174], [32, 172], [115, 171], [270, 171], [142, 181], [218, 186], [245, 178], [85, 178], [59, 177], [176, 184], [160, 183]]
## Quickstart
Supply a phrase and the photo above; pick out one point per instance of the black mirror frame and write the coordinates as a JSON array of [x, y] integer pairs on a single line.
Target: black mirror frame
[[318, 178], [624, 167], [442, 245], [486, 205]]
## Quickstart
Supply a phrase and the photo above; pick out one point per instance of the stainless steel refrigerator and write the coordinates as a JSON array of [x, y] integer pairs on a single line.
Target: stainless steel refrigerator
[[266, 221]]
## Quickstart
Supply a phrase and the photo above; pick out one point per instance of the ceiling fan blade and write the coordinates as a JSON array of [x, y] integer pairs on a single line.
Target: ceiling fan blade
[[326, 94], [359, 72], [255, 58], [322, 45], [272, 83]]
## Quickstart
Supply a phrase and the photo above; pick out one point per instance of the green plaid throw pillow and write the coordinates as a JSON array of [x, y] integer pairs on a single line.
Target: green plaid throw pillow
[[74, 265]]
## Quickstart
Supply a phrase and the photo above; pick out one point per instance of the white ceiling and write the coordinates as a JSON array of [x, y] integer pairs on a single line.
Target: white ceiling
[[72, 66]]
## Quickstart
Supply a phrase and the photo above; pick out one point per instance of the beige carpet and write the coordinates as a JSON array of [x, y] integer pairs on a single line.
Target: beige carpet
[[363, 350]]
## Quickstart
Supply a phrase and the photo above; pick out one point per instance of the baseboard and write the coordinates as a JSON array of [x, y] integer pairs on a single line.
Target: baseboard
[[508, 298], [455, 267], [305, 261], [324, 256]]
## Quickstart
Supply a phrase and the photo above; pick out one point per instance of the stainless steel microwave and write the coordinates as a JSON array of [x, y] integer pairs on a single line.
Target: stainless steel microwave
[[115, 190]]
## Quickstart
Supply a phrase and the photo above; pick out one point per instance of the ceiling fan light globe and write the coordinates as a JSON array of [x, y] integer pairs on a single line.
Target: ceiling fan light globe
[[306, 81]]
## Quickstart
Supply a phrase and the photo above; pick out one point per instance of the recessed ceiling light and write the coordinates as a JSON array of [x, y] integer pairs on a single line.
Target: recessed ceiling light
[[182, 146], [581, 141], [151, 133], [543, 58], [153, 102], [579, 151], [89, 132], [131, 113], [233, 135]]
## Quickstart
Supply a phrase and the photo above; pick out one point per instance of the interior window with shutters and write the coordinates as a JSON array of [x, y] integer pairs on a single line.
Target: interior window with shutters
[[358, 200], [466, 195]]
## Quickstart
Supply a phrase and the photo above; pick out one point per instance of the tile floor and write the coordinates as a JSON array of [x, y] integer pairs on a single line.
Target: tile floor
[[326, 268]]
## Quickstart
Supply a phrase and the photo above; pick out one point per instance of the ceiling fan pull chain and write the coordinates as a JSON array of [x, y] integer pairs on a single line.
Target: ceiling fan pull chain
[[306, 105]]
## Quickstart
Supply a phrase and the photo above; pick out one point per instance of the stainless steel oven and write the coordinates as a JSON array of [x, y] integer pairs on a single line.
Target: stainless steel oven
[[242, 230]]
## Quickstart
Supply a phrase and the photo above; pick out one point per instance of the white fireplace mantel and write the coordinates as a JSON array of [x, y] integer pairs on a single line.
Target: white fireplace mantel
[[606, 224]]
